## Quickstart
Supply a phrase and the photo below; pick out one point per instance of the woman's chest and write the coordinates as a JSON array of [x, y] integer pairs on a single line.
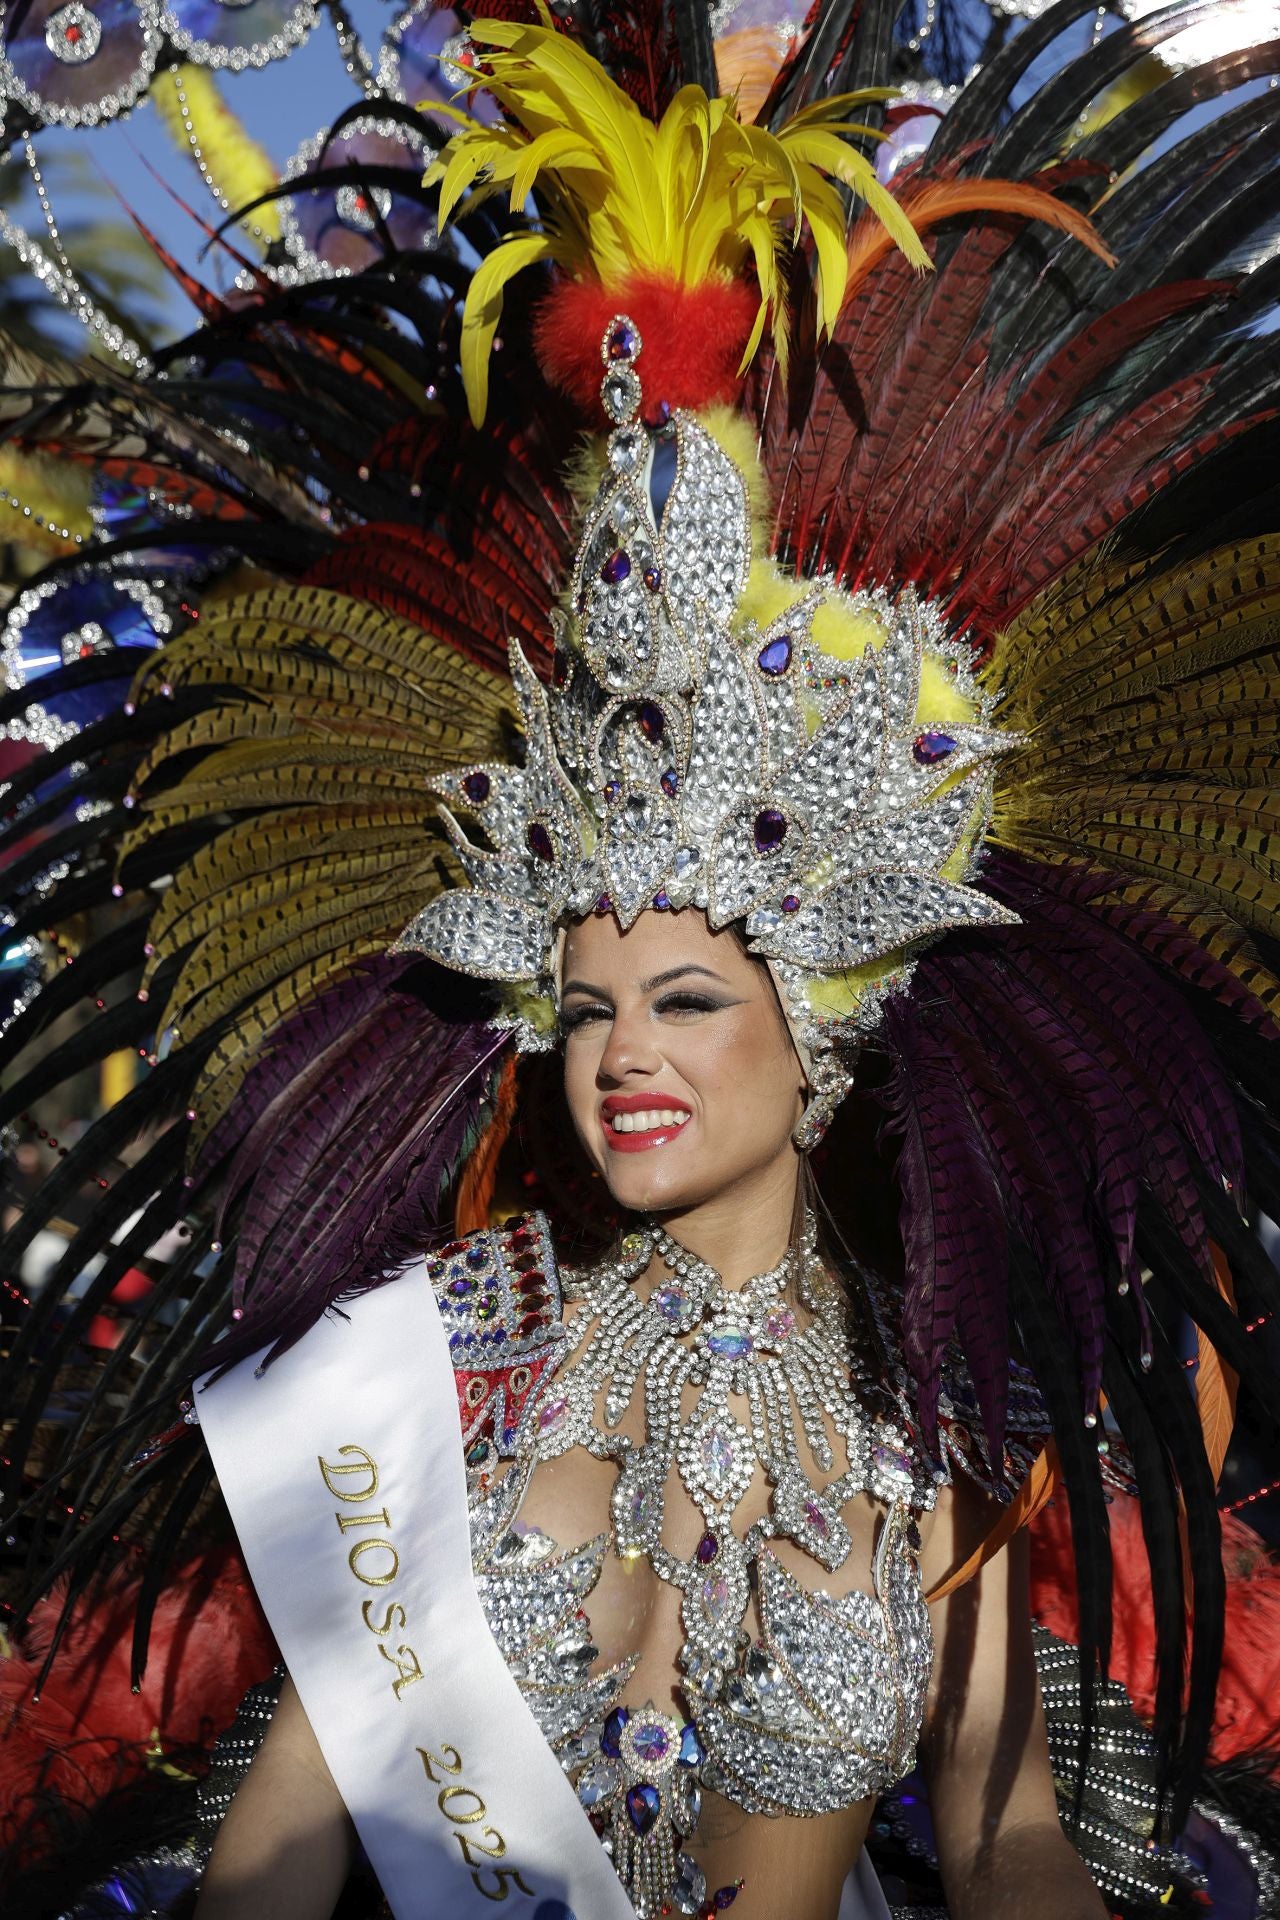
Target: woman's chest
[[817, 1699]]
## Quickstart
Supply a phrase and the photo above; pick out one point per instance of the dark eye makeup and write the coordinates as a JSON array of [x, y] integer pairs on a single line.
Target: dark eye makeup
[[686, 1002]]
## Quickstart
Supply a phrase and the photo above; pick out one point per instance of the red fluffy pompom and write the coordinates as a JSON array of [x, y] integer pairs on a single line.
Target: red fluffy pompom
[[693, 338], [1249, 1686]]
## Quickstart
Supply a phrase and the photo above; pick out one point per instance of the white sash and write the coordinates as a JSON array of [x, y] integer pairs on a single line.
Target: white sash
[[342, 1467]]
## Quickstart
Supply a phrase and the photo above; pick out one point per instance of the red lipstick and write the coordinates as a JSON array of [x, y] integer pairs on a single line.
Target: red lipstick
[[641, 1142]]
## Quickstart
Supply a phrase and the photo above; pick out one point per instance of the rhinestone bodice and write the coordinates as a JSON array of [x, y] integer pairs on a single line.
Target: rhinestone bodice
[[820, 1706], [822, 1710]]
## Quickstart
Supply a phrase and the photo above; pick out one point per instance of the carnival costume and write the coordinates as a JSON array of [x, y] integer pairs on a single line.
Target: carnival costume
[[910, 605]]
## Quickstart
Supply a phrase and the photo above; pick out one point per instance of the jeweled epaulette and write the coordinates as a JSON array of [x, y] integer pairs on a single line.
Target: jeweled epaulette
[[499, 1295], [964, 1443]]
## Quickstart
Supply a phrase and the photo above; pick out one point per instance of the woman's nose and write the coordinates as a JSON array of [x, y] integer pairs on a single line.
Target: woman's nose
[[629, 1048]]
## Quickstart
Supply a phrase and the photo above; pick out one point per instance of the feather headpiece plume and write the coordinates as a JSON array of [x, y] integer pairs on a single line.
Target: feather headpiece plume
[[694, 201]]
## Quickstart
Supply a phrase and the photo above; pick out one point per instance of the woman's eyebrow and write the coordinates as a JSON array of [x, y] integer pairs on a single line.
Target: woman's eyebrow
[[674, 973], [646, 986]]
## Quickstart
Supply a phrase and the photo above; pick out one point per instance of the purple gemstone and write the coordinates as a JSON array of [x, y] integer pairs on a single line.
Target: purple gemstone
[[644, 1804], [603, 905], [725, 1897], [552, 1412], [650, 1740], [460, 1288], [611, 1735], [692, 1751], [613, 790], [706, 1550], [770, 830], [616, 569], [477, 787], [540, 842], [775, 656], [670, 783], [931, 746], [662, 900], [477, 1257], [652, 577], [791, 903], [621, 344], [817, 1518], [653, 721], [669, 1302]]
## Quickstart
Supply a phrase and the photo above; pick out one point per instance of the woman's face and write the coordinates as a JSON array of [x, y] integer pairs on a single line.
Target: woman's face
[[679, 1070]]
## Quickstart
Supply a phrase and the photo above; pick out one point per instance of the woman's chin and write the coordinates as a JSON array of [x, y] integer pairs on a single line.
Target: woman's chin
[[642, 1184]]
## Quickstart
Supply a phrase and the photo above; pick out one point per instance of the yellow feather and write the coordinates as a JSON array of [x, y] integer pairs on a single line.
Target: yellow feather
[[696, 197], [823, 148], [206, 993], [483, 311], [185, 921], [558, 149]]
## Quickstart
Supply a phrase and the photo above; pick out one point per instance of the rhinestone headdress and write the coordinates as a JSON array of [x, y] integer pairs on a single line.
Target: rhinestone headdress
[[812, 764]]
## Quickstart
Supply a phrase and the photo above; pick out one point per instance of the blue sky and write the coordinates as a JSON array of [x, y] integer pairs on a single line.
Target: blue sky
[[280, 105]]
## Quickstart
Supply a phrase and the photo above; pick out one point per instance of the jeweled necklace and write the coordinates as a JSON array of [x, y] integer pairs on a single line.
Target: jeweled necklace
[[745, 1342], [693, 1330]]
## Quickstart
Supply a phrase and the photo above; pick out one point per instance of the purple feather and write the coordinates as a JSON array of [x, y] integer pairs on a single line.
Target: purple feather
[[1145, 926], [395, 1084], [1037, 1142], [1047, 1077], [956, 1267], [347, 1167], [352, 1076], [393, 1208], [286, 1054], [1145, 1011]]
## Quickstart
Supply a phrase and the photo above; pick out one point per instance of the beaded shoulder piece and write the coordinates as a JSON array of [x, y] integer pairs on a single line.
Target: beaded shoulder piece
[[499, 1294], [962, 1438], [962, 1443]]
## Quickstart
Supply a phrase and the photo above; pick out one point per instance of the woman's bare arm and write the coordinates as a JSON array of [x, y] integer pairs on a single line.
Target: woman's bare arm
[[286, 1845], [1001, 1847]]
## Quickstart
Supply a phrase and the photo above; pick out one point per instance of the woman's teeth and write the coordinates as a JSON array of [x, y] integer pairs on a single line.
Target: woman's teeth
[[646, 1122]]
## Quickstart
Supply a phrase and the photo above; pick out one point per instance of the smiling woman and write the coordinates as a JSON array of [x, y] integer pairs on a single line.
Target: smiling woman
[[889, 704], [675, 1039], [717, 862]]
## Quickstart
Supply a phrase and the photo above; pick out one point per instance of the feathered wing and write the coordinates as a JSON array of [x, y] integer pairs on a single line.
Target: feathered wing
[[1068, 452], [262, 804]]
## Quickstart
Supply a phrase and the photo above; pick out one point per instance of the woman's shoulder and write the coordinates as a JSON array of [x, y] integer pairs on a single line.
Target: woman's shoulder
[[499, 1296]]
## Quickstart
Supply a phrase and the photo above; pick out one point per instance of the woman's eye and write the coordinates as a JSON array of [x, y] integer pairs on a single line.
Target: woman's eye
[[687, 1003], [579, 1016]]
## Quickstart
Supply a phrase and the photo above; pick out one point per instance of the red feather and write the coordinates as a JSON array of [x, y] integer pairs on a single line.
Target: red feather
[[1245, 1720], [88, 1731]]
